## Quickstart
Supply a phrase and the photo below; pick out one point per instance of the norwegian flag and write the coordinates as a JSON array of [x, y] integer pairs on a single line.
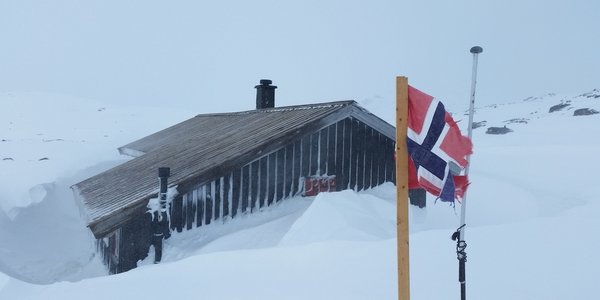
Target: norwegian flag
[[436, 147]]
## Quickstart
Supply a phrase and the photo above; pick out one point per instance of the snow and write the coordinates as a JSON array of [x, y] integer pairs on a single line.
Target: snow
[[343, 216], [154, 204], [533, 216], [38, 127], [43, 238]]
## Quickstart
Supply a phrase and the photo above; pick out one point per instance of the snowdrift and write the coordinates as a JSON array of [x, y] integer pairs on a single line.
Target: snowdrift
[[344, 216]]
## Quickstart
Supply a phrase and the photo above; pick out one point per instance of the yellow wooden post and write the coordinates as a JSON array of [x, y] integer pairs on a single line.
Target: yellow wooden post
[[402, 188]]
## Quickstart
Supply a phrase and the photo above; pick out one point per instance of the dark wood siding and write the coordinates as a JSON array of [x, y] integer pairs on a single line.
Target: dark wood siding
[[271, 178], [305, 156], [177, 213], [297, 169], [208, 208], [263, 181], [347, 154], [279, 174], [391, 164], [368, 156], [331, 148], [217, 199], [339, 156], [354, 154], [314, 153], [236, 189], [323, 151], [289, 171], [226, 195], [254, 183], [200, 199], [381, 158], [245, 188], [360, 157], [123, 248]]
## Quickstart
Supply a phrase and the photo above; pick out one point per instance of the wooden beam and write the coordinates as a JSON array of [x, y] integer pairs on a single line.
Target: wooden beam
[[402, 188]]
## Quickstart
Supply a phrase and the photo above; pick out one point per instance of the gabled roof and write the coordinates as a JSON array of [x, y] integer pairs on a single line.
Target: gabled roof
[[200, 149]]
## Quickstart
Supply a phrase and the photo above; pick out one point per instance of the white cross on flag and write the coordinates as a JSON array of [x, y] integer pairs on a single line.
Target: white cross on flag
[[435, 144]]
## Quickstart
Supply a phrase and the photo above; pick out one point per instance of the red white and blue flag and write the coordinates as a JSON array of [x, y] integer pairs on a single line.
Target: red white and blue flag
[[436, 147]]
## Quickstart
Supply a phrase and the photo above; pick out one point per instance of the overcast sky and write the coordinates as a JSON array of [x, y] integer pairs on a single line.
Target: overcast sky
[[188, 53]]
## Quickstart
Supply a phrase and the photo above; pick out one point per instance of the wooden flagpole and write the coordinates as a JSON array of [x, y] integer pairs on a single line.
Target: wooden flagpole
[[402, 188]]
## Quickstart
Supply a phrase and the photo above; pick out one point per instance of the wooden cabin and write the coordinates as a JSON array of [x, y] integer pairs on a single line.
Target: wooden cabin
[[226, 164]]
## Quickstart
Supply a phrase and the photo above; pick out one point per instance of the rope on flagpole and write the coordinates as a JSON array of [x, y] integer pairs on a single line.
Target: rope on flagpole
[[461, 255]]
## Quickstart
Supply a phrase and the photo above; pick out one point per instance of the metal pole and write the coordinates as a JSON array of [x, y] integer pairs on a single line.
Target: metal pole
[[459, 235], [475, 50]]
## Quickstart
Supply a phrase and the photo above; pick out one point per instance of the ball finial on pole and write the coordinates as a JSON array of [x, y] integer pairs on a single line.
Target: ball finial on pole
[[476, 49]]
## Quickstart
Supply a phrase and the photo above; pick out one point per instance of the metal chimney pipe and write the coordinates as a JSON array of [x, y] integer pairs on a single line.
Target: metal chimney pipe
[[163, 175], [265, 94]]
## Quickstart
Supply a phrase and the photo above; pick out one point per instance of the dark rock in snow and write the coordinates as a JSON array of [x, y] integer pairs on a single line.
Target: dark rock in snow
[[584, 112], [595, 93], [532, 98], [558, 107], [517, 120], [498, 130], [8, 158], [478, 124], [43, 158]]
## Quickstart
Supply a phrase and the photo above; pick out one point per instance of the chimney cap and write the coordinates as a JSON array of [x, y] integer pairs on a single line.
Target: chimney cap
[[266, 83]]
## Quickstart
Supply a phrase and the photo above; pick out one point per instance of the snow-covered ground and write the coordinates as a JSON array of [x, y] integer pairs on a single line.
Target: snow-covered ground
[[533, 216]]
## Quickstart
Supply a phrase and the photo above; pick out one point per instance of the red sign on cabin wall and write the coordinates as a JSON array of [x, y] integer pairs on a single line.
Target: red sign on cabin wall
[[316, 184]]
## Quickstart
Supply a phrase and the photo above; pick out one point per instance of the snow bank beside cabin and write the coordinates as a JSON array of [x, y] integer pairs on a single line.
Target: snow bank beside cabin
[[48, 142], [261, 229], [343, 215]]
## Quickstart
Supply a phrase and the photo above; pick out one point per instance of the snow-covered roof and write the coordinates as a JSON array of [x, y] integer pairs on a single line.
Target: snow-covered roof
[[203, 148]]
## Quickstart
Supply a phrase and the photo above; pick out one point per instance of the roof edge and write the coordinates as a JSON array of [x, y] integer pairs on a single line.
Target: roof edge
[[78, 198], [128, 150], [283, 108], [374, 121], [124, 150]]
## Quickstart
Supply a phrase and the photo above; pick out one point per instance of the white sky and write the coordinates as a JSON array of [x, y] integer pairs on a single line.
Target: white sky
[[185, 53]]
